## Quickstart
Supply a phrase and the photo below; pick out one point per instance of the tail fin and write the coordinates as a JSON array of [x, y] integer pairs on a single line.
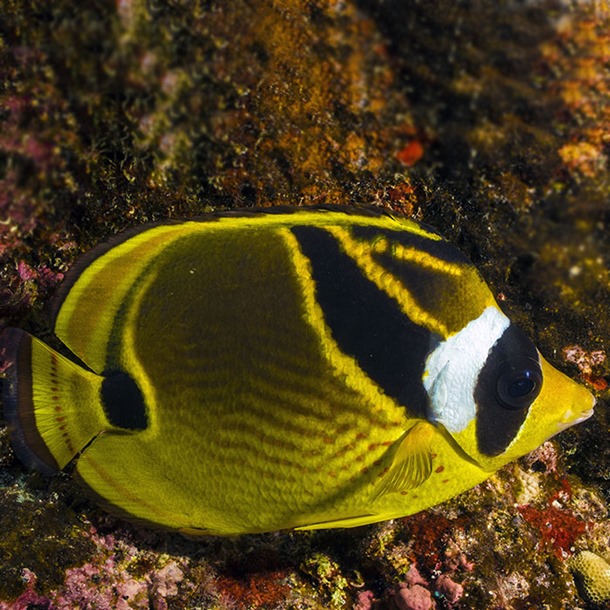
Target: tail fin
[[51, 405]]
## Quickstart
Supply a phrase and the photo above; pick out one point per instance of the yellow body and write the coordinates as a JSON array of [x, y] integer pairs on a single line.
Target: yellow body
[[257, 418]]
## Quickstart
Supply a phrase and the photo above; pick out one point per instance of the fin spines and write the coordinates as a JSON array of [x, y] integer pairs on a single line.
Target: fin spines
[[51, 404]]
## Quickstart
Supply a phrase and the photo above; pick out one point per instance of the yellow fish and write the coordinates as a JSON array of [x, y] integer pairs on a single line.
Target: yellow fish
[[284, 368]]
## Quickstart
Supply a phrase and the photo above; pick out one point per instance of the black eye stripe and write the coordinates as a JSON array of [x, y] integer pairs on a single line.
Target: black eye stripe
[[507, 385]]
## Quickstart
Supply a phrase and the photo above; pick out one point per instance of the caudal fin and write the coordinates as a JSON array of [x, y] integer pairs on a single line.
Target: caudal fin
[[51, 405]]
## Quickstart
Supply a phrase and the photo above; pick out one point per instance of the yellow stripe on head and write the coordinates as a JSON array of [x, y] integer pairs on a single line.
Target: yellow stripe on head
[[361, 253]]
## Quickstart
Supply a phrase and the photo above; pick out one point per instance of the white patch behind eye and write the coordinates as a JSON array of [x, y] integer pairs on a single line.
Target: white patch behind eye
[[453, 368]]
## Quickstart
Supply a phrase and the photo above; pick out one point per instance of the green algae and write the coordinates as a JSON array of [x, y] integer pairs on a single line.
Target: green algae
[[39, 534], [328, 577]]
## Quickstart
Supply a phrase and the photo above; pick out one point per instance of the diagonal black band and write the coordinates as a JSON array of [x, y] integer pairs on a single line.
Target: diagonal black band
[[366, 323]]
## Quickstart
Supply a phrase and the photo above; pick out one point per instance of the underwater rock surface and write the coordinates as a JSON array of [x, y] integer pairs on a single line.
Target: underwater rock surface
[[489, 123]]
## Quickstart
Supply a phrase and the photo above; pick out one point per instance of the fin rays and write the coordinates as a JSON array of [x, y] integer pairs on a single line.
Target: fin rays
[[44, 420], [412, 461]]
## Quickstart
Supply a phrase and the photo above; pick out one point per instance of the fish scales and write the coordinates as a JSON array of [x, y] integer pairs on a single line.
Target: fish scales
[[250, 426], [262, 370]]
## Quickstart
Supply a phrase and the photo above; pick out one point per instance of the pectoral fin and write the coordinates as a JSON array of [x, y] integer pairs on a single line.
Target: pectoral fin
[[412, 461]]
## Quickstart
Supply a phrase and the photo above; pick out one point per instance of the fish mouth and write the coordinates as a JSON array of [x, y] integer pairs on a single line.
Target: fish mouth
[[569, 419], [583, 416]]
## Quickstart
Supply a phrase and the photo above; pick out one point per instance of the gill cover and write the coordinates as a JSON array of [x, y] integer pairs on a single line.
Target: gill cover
[[508, 400]]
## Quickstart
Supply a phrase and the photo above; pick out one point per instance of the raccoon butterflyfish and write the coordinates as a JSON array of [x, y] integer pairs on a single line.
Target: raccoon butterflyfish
[[282, 368]]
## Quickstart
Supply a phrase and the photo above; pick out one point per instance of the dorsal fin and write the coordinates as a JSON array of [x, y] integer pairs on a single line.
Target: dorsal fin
[[95, 287]]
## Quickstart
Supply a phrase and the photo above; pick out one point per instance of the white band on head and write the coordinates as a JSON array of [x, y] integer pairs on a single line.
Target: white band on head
[[453, 368]]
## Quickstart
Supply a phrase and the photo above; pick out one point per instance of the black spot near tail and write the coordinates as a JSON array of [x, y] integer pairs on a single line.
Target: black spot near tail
[[123, 402]]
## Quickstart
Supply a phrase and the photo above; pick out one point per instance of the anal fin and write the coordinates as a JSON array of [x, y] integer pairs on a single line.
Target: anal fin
[[346, 522]]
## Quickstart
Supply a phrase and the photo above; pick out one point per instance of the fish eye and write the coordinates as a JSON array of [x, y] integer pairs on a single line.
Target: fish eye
[[519, 383]]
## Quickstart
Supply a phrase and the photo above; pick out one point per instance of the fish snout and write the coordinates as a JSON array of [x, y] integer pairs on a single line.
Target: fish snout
[[581, 409]]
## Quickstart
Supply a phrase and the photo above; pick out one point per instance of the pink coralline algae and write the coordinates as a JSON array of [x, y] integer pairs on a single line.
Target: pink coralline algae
[[414, 577], [42, 275], [443, 586], [32, 281], [29, 598], [588, 363], [165, 583], [112, 583], [101, 588], [364, 601], [450, 590], [414, 598], [545, 456]]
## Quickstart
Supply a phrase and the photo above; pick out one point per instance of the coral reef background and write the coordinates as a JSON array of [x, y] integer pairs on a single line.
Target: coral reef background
[[486, 119]]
